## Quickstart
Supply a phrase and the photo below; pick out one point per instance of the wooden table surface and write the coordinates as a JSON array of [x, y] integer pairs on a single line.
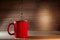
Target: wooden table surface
[[5, 35], [45, 37], [51, 37]]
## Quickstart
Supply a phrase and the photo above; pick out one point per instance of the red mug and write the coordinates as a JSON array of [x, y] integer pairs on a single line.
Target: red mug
[[20, 29]]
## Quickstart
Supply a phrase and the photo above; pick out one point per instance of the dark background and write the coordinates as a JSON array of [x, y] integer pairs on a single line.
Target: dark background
[[10, 10]]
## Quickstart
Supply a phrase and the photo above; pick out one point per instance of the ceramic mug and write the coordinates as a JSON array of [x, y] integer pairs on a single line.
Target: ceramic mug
[[20, 29]]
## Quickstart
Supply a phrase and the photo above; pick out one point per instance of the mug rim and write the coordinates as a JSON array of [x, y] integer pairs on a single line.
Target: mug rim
[[20, 21]]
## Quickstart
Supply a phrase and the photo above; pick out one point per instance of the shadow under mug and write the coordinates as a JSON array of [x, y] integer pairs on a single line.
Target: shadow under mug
[[20, 29]]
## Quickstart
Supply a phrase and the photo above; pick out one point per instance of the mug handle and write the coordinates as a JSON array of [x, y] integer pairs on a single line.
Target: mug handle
[[8, 29]]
